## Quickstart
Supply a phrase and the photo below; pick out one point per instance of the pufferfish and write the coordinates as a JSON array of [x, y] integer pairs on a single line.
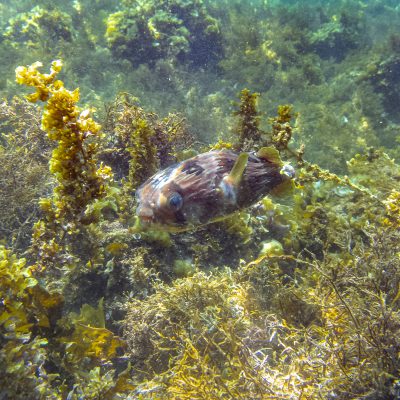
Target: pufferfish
[[208, 188]]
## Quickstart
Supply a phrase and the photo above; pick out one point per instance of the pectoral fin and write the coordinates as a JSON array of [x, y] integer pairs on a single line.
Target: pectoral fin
[[235, 176], [230, 183]]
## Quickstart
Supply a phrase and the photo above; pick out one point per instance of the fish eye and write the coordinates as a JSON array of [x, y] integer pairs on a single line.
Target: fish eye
[[175, 201]]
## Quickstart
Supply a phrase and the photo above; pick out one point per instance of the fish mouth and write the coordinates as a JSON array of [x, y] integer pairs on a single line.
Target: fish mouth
[[145, 220], [145, 215]]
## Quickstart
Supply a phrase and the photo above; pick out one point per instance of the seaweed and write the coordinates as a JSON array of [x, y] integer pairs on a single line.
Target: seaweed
[[79, 180], [196, 333], [248, 130], [296, 298], [138, 144], [28, 313], [39, 28], [178, 31], [23, 152], [89, 339], [250, 136]]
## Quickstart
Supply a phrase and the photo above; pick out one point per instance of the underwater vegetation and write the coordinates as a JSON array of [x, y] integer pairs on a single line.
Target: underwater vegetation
[[24, 153], [139, 143], [309, 308], [78, 179], [39, 27], [335, 61], [294, 297], [179, 31]]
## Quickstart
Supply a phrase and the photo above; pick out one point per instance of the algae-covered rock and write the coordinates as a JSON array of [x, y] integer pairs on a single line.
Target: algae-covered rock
[[181, 31], [337, 36], [39, 28]]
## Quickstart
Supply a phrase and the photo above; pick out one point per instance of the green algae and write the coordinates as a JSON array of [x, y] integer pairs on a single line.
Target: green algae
[[203, 325], [297, 297], [179, 31]]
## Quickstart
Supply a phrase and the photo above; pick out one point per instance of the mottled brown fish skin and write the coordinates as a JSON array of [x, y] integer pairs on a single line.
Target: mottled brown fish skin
[[194, 192]]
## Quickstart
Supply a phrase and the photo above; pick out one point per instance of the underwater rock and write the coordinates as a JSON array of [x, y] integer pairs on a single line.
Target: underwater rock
[[176, 30], [336, 37], [39, 28]]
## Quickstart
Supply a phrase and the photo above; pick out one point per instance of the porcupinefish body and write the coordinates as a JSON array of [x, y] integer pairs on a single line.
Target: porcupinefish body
[[208, 187]]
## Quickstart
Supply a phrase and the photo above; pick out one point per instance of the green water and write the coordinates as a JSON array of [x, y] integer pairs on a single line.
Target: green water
[[294, 297], [334, 61]]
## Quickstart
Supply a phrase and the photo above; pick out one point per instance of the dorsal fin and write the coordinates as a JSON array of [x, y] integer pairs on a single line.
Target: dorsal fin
[[270, 154]]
